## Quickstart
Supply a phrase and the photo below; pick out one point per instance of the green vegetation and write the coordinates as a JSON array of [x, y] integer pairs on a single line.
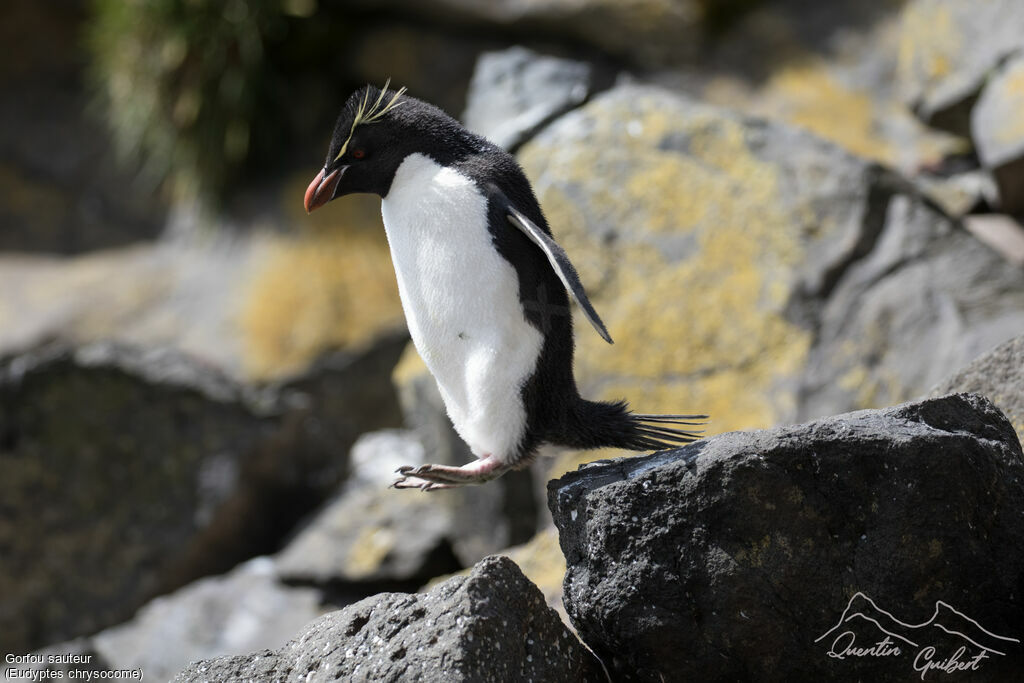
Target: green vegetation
[[181, 81]]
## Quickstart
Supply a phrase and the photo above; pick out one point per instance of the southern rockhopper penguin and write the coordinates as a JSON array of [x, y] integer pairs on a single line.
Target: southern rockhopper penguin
[[483, 286]]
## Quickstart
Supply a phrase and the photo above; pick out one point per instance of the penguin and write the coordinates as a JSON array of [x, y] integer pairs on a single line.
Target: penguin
[[484, 288]]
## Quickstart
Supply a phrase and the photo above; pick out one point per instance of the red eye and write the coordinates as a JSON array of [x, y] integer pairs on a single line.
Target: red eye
[[358, 154]]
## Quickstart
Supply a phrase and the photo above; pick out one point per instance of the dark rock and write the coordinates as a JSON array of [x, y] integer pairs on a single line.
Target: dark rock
[[998, 133], [999, 376], [491, 625], [731, 558], [517, 91], [127, 474]]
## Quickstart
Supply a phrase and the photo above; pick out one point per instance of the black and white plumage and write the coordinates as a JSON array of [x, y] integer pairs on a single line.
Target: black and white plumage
[[483, 285]]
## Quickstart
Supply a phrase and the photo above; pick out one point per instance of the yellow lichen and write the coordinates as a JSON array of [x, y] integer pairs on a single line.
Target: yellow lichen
[[810, 97], [409, 367], [367, 552], [930, 42], [328, 286], [705, 331]]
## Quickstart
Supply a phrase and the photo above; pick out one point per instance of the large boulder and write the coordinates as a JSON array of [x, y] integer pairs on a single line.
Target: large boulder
[[775, 555], [128, 473], [927, 296], [491, 625], [999, 376], [752, 271]]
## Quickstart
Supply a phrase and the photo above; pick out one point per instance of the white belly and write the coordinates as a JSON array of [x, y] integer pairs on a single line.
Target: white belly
[[461, 302]]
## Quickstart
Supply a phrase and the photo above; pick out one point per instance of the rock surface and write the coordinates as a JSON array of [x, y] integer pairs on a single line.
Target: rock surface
[[515, 92], [786, 262], [735, 557], [998, 131], [999, 376], [129, 473], [491, 625], [924, 283], [256, 304], [244, 610], [948, 49], [370, 533]]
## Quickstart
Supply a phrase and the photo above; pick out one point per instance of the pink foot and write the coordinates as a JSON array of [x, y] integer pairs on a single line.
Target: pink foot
[[431, 477]]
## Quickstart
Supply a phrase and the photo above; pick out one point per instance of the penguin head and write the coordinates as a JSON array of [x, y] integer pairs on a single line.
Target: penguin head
[[370, 140]]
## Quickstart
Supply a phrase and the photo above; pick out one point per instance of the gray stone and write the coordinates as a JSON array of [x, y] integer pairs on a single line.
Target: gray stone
[[998, 133], [173, 295], [736, 557], [221, 290], [515, 92], [245, 610], [948, 49], [129, 473], [999, 376], [370, 532], [492, 625], [925, 297]]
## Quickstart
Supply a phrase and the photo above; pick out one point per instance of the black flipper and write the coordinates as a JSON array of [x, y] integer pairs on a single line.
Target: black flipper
[[558, 259]]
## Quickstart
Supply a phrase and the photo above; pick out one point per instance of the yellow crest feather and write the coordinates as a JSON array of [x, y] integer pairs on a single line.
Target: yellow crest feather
[[372, 114]]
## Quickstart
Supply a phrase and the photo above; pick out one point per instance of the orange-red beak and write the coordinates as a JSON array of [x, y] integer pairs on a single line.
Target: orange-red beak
[[321, 190]]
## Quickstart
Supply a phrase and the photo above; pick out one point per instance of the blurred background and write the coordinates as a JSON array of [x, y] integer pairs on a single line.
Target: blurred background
[[782, 209]]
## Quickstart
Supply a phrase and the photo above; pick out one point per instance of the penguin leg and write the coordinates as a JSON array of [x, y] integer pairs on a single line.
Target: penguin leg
[[479, 471]]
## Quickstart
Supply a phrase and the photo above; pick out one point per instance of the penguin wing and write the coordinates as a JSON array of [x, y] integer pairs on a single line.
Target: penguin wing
[[559, 261]]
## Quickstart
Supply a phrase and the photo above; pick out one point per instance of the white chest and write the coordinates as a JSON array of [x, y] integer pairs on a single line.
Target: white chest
[[461, 302]]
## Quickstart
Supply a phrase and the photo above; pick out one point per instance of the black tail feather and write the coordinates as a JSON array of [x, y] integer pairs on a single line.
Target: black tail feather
[[597, 425]]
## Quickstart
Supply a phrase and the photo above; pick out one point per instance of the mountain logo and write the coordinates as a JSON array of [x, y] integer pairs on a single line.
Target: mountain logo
[[948, 642]]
